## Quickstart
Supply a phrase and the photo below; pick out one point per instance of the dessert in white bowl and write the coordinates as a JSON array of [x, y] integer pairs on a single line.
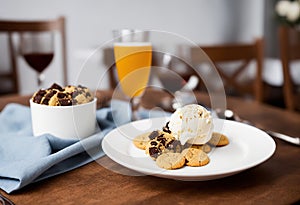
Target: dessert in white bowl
[[68, 113]]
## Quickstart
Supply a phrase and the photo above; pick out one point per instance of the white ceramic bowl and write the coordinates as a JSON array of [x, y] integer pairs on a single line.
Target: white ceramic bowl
[[68, 122]]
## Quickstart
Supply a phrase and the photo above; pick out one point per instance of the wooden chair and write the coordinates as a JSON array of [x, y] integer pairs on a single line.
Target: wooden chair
[[235, 52], [289, 42], [11, 27]]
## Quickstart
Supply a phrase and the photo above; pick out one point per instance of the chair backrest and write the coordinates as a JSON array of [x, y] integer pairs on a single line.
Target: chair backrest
[[289, 43], [10, 27], [235, 52]]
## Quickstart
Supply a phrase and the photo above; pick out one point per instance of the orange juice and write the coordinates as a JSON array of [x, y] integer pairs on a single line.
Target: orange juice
[[133, 61]]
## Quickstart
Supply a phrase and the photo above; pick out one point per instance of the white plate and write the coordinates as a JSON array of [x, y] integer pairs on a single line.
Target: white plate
[[248, 147]]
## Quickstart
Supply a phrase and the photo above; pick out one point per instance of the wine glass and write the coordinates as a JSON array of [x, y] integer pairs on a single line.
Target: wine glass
[[37, 49], [133, 56]]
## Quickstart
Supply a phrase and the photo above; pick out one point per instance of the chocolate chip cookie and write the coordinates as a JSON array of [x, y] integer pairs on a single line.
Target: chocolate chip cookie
[[159, 144]]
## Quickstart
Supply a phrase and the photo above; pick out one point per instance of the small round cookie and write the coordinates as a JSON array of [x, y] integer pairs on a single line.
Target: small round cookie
[[218, 140], [195, 157], [205, 147], [142, 140], [170, 160], [158, 145]]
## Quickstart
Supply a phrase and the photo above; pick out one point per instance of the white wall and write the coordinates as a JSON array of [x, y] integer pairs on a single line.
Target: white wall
[[89, 24]]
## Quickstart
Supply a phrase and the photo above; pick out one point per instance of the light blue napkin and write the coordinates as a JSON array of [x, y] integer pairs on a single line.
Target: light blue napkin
[[25, 159]]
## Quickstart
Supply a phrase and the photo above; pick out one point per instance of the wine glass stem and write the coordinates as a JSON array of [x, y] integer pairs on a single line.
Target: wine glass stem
[[40, 79], [135, 104]]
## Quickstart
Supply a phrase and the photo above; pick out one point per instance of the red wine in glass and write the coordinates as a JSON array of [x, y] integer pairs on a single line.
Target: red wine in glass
[[37, 49], [38, 61]]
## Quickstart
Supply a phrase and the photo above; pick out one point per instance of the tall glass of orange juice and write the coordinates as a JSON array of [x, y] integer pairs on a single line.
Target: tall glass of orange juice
[[133, 56]]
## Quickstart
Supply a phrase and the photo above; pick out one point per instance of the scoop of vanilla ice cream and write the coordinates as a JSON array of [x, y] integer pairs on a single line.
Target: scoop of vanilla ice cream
[[191, 123]]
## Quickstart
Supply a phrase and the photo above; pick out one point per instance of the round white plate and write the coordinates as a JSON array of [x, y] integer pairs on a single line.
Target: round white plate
[[248, 147]]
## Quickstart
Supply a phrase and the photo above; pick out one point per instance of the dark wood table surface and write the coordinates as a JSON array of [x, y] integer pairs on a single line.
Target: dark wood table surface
[[276, 181]]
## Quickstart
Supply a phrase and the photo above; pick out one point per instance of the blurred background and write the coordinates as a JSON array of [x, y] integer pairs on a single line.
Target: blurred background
[[89, 25]]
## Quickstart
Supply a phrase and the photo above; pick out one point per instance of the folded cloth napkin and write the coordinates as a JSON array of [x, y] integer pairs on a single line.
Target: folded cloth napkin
[[25, 159]]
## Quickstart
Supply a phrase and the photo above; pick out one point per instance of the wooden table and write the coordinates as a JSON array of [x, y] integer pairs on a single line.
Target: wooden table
[[274, 182]]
